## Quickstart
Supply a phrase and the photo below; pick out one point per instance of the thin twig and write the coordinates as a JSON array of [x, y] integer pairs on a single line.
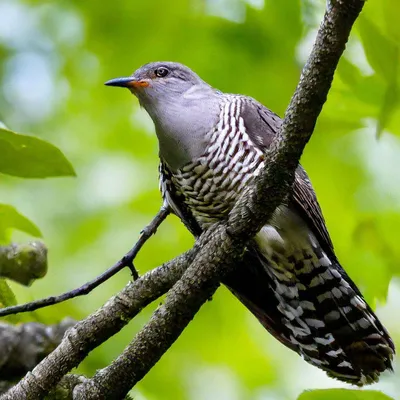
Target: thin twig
[[125, 261]]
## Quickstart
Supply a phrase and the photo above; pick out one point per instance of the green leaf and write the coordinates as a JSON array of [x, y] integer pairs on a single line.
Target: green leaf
[[343, 394], [30, 157], [11, 218], [389, 104], [383, 55], [391, 11], [7, 299], [381, 52], [348, 72]]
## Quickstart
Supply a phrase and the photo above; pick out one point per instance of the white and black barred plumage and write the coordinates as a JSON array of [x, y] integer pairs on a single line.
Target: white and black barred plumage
[[290, 278]]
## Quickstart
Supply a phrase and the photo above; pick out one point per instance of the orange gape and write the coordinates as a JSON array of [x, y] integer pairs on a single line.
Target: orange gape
[[138, 84]]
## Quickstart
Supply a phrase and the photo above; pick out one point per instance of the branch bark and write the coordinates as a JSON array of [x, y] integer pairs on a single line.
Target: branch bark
[[97, 328], [24, 345], [217, 256], [216, 252], [23, 262]]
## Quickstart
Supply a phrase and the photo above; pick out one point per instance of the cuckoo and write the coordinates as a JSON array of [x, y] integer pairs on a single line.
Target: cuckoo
[[211, 146]]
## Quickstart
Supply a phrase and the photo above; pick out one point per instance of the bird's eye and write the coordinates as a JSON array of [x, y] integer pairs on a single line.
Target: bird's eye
[[161, 72]]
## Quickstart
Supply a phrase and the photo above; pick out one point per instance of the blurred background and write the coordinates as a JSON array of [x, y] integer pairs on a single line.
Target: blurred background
[[55, 57]]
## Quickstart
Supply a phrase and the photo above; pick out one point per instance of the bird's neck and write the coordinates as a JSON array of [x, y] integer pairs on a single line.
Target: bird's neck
[[182, 125]]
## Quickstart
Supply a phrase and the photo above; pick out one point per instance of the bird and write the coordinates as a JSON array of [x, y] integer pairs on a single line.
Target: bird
[[211, 147]]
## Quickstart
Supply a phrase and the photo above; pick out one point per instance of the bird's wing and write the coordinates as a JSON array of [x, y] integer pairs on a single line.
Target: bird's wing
[[261, 126], [304, 199]]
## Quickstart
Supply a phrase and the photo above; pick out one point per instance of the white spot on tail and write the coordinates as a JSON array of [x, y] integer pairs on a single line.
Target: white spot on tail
[[345, 364], [327, 275], [316, 281], [307, 305], [324, 296], [336, 292], [287, 290], [363, 323], [317, 362], [300, 286], [336, 274], [302, 331], [315, 323], [325, 261], [332, 315], [334, 353], [358, 302], [327, 340], [290, 312]]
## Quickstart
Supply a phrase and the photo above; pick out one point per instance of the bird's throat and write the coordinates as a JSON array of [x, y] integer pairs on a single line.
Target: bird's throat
[[182, 131]]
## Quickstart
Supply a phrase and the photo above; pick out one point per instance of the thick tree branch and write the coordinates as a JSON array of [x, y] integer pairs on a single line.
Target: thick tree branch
[[98, 327], [216, 257], [24, 345], [64, 389], [221, 248]]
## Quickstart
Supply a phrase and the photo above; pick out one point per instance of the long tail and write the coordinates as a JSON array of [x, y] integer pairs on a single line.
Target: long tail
[[317, 311]]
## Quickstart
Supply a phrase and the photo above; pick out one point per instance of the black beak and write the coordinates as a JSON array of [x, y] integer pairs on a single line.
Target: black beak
[[122, 82]]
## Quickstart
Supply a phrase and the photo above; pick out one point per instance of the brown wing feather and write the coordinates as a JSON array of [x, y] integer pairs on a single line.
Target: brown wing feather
[[261, 126], [304, 199]]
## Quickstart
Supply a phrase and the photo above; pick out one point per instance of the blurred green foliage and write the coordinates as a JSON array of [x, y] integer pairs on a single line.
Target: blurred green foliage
[[343, 394], [7, 298], [10, 218], [30, 157], [27, 157], [55, 57]]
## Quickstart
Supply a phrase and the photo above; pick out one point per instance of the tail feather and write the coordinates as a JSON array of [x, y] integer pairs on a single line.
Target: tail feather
[[310, 304]]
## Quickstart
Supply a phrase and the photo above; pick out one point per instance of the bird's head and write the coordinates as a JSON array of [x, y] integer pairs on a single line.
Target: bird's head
[[161, 81], [183, 108]]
